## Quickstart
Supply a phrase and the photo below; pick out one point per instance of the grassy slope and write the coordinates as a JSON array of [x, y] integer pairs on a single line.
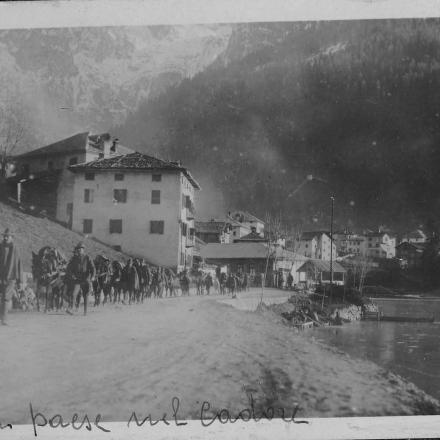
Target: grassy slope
[[32, 233]]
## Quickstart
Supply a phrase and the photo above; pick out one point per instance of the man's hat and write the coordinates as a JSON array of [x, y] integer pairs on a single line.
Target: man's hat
[[80, 245], [8, 232]]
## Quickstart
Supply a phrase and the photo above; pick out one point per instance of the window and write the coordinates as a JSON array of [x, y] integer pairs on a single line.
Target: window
[[87, 226], [89, 176], [120, 195], [155, 197], [88, 196], [192, 232], [156, 226], [119, 176], [184, 229], [188, 202], [116, 226], [157, 177], [117, 248], [50, 165], [73, 161]]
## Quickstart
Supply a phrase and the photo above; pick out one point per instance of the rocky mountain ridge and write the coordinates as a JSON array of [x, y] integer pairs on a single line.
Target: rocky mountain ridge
[[90, 78]]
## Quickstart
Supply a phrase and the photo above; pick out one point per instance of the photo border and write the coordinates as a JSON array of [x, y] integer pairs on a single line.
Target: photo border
[[94, 13]]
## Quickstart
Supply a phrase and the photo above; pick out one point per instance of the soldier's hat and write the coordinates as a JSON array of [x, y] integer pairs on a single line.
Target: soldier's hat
[[80, 245]]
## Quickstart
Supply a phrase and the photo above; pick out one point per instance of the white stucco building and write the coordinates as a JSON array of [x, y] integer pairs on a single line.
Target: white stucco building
[[349, 244], [139, 204], [380, 245], [243, 223], [316, 245], [42, 178]]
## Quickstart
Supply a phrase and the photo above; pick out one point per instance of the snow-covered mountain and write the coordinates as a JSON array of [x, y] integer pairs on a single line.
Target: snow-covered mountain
[[92, 78]]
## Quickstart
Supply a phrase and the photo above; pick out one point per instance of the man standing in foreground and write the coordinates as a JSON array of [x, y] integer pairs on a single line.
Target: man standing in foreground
[[10, 273], [80, 273]]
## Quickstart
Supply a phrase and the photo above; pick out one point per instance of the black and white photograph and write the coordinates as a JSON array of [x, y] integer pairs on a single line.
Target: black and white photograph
[[219, 222]]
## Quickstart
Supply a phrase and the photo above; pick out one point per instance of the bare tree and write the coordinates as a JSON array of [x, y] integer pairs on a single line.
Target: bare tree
[[360, 268], [14, 134]]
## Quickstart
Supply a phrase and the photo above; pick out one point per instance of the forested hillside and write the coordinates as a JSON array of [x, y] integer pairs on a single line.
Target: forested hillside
[[354, 103]]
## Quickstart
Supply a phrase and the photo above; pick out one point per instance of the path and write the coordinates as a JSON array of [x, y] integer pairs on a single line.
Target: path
[[120, 359]]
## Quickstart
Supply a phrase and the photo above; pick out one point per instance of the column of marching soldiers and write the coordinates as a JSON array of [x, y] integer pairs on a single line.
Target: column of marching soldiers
[[62, 285]]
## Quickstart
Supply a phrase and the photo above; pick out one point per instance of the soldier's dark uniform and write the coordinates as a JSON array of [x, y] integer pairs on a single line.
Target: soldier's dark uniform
[[79, 275]]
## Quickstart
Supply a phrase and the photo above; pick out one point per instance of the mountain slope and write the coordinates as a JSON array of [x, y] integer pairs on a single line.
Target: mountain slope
[[74, 79], [355, 103], [32, 233]]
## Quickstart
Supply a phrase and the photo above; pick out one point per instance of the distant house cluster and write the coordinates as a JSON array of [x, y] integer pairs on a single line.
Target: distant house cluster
[[371, 244], [145, 207]]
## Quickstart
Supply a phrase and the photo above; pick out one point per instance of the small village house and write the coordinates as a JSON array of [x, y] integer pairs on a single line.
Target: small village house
[[314, 272], [380, 245], [417, 236], [213, 231], [410, 254], [316, 245], [253, 258], [42, 178], [139, 204], [242, 223], [348, 243], [252, 237]]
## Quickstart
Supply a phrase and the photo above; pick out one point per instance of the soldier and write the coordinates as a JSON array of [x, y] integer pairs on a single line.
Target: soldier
[[10, 273], [80, 273], [208, 283]]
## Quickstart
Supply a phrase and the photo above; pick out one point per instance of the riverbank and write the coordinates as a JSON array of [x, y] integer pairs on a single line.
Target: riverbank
[[137, 358]]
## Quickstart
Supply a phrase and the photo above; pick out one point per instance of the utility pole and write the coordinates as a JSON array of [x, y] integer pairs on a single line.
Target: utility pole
[[331, 247]]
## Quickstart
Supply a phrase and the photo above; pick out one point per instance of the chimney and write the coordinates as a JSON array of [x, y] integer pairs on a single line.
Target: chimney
[[114, 145], [106, 146]]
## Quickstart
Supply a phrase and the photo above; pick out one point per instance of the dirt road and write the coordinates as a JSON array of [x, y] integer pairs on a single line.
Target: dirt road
[[121, 359]]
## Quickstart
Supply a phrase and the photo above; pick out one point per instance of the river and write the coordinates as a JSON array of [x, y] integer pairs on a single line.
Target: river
[[411, 350]]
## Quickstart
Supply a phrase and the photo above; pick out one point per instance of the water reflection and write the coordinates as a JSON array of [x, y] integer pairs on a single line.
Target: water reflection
[[411, 350]]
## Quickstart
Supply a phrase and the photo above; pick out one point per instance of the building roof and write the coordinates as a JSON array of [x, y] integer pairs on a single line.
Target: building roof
[[379, 234], [220, 251], [417, 234], [79, 142], [246, 250], [356, 238], [310, 235], [133, 161], [244, 216], [321, 266], [75, 143], [210, 227], [253, 236], [417, 246]]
